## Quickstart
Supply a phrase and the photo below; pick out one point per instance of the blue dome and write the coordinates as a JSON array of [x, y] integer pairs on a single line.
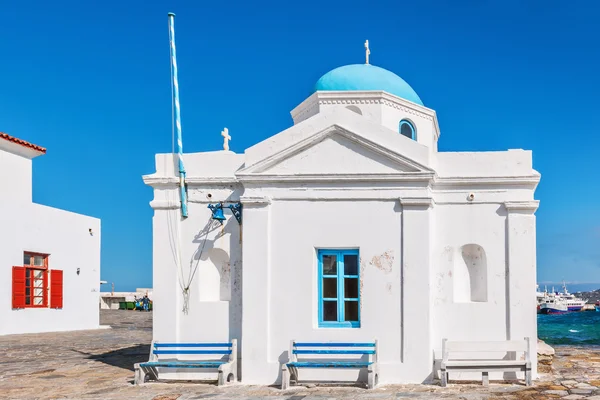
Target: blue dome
[[367, 77]]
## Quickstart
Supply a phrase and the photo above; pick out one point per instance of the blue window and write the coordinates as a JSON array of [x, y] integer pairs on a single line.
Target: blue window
[[339, 289], [407, 129]]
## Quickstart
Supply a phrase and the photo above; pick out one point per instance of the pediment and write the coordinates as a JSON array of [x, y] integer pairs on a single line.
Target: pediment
[[335, 151]]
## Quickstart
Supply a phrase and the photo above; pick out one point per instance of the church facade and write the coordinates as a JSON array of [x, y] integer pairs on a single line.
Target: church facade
[[348, 226]]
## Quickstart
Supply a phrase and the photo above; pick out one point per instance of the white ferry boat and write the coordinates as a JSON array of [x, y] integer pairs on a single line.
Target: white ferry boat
[[573, 303], [555, 302], [554, 305]]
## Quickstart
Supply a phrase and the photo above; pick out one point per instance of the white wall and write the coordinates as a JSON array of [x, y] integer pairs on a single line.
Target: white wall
[[298, 229], [30, 227], [65, 237], [486, 163], [15, 177], [459, 225], [210, 266], [456, 315]]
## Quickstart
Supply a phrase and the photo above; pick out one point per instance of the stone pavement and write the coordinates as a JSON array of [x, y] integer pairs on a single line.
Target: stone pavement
[[99, 365]]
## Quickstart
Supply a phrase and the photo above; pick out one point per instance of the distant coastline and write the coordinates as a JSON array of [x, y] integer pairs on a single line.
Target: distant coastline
[[573, 287], [590, 297]]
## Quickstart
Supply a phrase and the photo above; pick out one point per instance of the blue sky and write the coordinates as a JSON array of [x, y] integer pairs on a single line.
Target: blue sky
[[92, 84]]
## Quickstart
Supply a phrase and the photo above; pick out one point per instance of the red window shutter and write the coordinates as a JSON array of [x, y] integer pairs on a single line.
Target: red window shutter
[[45, 299], [56, 288], [18, 287]]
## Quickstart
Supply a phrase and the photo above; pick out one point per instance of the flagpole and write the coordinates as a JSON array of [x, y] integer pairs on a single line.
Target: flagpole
[[183, 196]]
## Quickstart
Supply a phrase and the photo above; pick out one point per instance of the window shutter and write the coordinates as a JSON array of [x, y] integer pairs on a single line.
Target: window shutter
[[18, 287], [56, 288], [45, 299]]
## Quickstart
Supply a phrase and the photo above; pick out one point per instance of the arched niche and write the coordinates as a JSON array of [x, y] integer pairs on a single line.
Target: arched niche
[[214, 274], [470, 275], [354, 109]]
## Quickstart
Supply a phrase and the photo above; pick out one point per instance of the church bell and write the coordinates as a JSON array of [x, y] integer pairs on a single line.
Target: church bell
[[217, 212]]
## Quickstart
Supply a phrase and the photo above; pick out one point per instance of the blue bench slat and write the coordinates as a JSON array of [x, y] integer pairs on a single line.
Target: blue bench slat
[[333, 351], [184, 364], [192, 345], [192, 351], [334, 344], [329, 364]]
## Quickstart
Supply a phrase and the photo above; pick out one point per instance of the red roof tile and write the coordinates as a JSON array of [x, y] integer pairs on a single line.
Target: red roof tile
[[23, 143]]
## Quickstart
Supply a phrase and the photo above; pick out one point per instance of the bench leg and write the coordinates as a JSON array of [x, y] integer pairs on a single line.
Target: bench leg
[[372, 377], [234, 371], [528, 377], [221, 378], [285, 377], [140, 375], [225, 372], [444, 378], [486, 378]]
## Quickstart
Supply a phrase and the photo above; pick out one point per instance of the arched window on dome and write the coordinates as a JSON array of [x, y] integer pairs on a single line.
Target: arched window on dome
[[355, 109], [408, 129]]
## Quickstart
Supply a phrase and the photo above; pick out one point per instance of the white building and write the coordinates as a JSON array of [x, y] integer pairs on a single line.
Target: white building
[[436, 244], [49, 258], [112, 300]]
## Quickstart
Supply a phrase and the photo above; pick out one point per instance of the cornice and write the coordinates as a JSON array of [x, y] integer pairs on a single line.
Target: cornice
[[174, 181], [438, 184], [255, 201], [530, 181], [426, 202], [206, 180], [526, 207], [346, 100], [375, 97], [392, 177], [165, 205], [303, 111], [302, 108], [158, 181]]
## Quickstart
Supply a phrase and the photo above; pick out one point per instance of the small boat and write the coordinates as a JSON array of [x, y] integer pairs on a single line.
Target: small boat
[[554, 306], [597, 306]]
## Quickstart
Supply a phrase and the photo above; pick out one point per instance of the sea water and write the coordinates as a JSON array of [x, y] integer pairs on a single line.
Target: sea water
[[574, 328]]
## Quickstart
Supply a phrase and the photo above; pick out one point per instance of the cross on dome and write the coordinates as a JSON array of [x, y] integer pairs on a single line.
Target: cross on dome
[[367, 51]]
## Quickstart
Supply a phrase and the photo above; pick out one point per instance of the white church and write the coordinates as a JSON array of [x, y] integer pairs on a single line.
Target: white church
[[349, 226]]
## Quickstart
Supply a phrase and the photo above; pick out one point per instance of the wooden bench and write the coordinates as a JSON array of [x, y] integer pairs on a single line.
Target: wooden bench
[[485, 366], [290, 369], [165, 355]]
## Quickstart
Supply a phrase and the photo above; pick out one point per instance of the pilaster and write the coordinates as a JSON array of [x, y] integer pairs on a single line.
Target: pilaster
[[416, 270], [256, 276], [521, 273]]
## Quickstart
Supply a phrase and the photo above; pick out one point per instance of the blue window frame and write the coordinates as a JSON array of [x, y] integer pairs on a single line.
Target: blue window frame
[[339, 289], [408, 129]]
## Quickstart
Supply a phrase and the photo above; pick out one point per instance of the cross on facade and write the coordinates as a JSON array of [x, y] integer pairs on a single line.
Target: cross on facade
[[367, 51], [226, 139]]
